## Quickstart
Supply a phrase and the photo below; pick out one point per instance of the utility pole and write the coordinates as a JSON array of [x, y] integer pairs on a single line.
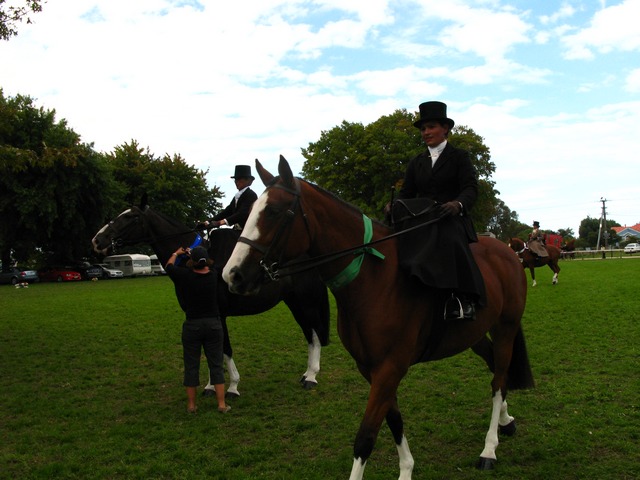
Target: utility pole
[[603, 233]]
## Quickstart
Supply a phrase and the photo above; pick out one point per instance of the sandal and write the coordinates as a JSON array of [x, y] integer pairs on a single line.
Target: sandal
[[224, 409]]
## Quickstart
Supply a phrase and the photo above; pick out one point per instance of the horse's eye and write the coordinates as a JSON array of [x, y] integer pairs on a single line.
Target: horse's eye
[[273, 211]]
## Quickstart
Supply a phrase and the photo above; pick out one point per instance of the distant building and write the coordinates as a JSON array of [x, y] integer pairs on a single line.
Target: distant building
[[626, 232]]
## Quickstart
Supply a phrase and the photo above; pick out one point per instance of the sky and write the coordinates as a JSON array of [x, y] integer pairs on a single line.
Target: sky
[[552, 87]]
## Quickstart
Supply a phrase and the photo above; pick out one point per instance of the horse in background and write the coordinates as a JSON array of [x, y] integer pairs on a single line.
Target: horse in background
[[305, 294], [568, 250], [387, 320], [532, 261]]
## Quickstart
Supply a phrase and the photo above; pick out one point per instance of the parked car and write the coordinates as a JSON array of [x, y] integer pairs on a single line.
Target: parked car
[[632, 248], [17, 275], [108, 272], [88, 271], [58, 274]]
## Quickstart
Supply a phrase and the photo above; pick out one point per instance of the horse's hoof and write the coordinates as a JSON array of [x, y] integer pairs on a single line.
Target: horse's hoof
[[485, 463], [509, 429], [231, 395], [309, 385], [208, 392]]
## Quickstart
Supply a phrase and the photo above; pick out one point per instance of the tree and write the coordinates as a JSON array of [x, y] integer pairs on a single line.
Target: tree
[[54, 189], [504, 222], [590, 229], [10, 16], [361, 163], [566, 232], [171, 185]]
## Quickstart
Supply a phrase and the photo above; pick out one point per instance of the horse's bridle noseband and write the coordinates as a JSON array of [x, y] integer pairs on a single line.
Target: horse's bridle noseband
[[271, 269]]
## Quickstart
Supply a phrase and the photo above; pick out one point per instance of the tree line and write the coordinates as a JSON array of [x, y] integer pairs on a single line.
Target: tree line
[[57, 191]]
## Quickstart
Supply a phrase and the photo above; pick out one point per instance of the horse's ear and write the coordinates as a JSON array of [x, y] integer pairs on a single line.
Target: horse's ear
[[264, 175], [285, 172], [144, 201]]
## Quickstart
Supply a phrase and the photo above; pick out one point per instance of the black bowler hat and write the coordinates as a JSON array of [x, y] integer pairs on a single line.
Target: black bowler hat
[[243, 171], [433, 111]]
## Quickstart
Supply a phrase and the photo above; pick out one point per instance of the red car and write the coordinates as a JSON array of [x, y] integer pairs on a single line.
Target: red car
[[58, 274]]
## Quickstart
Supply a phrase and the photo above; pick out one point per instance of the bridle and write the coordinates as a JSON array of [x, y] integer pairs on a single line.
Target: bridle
[[151, 238], [273, 271], [271, 268], [524, 247]]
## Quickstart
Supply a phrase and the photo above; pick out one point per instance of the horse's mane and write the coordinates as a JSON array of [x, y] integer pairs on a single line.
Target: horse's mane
[[340, 200], [170, 220]]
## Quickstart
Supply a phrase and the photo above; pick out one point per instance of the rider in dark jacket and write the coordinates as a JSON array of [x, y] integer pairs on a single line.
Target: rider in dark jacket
[[444, 173]]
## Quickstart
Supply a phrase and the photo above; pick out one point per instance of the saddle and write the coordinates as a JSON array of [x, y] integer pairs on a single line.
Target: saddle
[[409, 212]]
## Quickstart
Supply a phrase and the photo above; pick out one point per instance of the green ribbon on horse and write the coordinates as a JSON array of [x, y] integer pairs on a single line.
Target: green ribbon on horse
[[353, 269]]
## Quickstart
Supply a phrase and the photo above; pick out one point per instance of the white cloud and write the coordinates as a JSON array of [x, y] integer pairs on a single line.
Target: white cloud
[[565, 11], [613, 28], [632, 83], [225, 83]]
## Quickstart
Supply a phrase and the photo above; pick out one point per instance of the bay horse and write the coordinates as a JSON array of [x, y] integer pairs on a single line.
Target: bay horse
[[531, 261], [386, 320], [304, 294], [568, 250]]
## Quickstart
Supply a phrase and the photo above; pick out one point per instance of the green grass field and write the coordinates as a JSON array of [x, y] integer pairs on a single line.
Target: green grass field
[[91, 372]]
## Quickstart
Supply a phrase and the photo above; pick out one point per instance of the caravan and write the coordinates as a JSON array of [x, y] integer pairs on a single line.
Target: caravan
[[156, 267], [131, 264]]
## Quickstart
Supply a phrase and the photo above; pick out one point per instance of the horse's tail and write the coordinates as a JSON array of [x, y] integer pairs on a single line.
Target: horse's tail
[[324, 329], [520, 375]]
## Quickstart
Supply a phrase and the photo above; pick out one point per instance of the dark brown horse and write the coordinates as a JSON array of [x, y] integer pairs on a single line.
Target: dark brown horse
[[386, 320], [305, 294], [532, 261]]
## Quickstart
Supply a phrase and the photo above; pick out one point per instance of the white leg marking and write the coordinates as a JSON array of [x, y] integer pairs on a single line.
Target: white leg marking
[[234, 375], [555, 278], [505, 418], [533, 284], [491, 440], [313, 359], [406, 460], [357, 471]]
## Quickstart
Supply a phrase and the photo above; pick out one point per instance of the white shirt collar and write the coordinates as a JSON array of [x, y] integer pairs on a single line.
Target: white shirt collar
[[239, 193], [436, 151]]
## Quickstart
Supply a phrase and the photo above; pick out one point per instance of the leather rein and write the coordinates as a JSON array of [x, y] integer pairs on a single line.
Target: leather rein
[[274, 271]]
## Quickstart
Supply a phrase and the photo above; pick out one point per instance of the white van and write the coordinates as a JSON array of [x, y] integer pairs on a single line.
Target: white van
[[131, 265], [156, 267]]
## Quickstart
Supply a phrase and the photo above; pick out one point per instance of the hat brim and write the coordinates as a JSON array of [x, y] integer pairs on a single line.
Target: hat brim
[[244, 176], [448, 121]]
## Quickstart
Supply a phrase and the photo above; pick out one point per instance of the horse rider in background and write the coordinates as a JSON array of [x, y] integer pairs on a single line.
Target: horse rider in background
[[536, 241], [237, 212]]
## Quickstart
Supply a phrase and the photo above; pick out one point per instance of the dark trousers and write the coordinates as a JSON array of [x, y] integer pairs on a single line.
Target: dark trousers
[[197, 335]]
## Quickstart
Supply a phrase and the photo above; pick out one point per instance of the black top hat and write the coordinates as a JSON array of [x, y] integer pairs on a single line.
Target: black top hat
[[243, 171], [536, 223], [433, 111]]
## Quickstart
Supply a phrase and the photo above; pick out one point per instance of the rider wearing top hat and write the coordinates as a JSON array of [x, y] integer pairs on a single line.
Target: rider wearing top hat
[[440, 256], [536, 241], [237, 212]]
